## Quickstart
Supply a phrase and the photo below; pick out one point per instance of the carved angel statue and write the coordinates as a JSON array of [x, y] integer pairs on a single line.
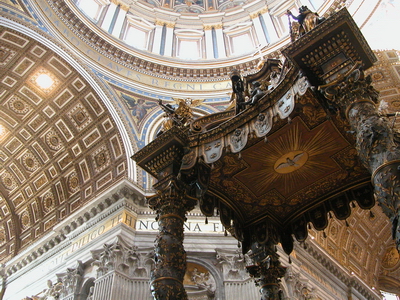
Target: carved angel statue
[[91, 292], [204, 281], [181, 116]]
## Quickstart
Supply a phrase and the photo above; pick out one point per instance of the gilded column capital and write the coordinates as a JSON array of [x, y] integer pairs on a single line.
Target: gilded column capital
[[263, 11], [167, 24], [123, 5], [159, 22], [260, 12], [254, 15], [211, 26]]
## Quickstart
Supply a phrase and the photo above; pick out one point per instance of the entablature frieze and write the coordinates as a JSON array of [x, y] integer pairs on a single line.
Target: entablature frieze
[[79, 229]]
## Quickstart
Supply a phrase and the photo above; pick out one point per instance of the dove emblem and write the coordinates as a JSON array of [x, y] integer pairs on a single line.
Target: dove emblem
[[290, 162]]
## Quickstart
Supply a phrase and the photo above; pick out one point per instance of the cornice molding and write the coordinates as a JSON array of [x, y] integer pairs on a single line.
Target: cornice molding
[[122, 196], [149, 63]]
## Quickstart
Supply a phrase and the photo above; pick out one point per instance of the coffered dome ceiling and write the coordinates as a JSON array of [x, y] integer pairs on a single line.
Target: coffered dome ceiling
[[63, 145], [59, 144]]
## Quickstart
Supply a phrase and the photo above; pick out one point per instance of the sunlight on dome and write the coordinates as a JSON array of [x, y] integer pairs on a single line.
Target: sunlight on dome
[[3, 132], [389, 296], [90, 8], [44, 81], [383, 26]]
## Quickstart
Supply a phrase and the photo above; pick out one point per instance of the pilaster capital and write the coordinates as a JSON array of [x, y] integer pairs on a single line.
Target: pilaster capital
[[123, 5], [211, 26]]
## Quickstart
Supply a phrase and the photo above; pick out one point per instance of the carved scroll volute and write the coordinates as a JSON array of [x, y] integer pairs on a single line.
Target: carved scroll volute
[[376, 141]]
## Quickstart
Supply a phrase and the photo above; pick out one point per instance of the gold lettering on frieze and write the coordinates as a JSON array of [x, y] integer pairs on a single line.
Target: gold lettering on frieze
[[123, 217], [195, 226]]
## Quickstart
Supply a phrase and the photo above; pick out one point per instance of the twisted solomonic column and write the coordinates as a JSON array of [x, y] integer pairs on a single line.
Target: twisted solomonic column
[[377, 142], [267, 270], [171, 204]]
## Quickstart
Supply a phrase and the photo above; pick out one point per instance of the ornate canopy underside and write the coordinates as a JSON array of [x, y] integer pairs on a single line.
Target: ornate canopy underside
[[284, 162], [299, 165]]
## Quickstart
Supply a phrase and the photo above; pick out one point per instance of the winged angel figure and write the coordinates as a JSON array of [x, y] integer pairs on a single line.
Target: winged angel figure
[[182, 115]]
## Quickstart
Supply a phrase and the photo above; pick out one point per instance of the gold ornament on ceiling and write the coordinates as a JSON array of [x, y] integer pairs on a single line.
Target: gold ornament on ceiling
[[391, 258]]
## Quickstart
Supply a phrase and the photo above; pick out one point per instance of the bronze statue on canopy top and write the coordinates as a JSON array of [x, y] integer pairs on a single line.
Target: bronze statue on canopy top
[[181, 116], [306, 21], [257, 93]]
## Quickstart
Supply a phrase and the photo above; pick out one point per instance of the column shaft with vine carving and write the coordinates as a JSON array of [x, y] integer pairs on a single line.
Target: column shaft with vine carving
[[171, 205], [376, 141], [267, 270]]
